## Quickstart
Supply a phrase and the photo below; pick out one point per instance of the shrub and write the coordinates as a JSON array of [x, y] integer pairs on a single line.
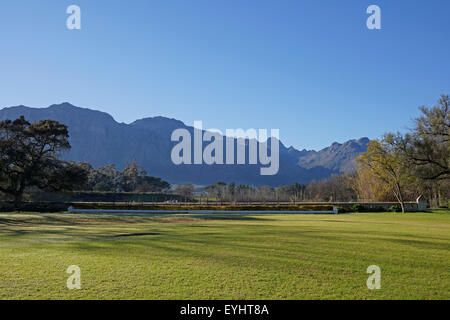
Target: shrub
[[395, 208], [344, 210], [358, 208]]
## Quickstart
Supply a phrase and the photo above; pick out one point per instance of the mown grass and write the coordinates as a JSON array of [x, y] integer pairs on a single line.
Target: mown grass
[[233, 256]]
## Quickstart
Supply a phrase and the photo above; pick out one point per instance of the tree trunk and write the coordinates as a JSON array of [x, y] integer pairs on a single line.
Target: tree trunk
[[400, 197], [436, 196], [402, 204], [18, 200]]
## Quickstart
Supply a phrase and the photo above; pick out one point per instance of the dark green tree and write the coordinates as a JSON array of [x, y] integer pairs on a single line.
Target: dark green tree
[[218, 190], [186, 190], [106, 178], [152, 184], [29, 157], [131, 176]]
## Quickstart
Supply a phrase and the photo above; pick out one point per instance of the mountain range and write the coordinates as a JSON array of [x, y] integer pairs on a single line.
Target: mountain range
[[97, 138]]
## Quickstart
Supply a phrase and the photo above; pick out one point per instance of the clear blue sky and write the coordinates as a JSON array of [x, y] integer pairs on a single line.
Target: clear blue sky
[[310, 68]]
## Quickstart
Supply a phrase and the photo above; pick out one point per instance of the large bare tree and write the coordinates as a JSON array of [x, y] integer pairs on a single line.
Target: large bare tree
[[428, 146]]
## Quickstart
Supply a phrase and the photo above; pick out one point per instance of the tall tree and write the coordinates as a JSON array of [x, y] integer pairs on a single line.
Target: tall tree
[[186, 190], [217, 190], [385, 160], [295, 192], [131, 176], [428, 146], [106, 178], [152, 184], [29, 158], [369, 187], [231, 191]]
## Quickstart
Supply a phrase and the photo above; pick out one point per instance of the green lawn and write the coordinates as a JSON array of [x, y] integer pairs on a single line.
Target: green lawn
[[143, 256]]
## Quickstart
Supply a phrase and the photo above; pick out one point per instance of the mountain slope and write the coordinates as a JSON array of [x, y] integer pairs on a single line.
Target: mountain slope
[[98, 139], [338, 157]]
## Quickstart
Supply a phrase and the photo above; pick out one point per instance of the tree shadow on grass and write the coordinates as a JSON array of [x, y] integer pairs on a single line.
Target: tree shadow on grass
[[71, 228], [9, 222], [228, 217], [136, 235]]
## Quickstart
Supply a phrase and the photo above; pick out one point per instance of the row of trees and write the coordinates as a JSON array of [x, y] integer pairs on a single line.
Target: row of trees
[[336, 188], [133, 178], [29, 160]]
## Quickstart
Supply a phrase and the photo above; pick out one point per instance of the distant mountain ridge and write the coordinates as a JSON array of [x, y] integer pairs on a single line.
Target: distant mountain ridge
[[338, 157], [100, 140]]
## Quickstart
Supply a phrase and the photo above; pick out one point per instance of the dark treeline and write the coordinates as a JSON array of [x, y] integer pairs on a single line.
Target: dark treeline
[[131, 179], [334, 189]]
